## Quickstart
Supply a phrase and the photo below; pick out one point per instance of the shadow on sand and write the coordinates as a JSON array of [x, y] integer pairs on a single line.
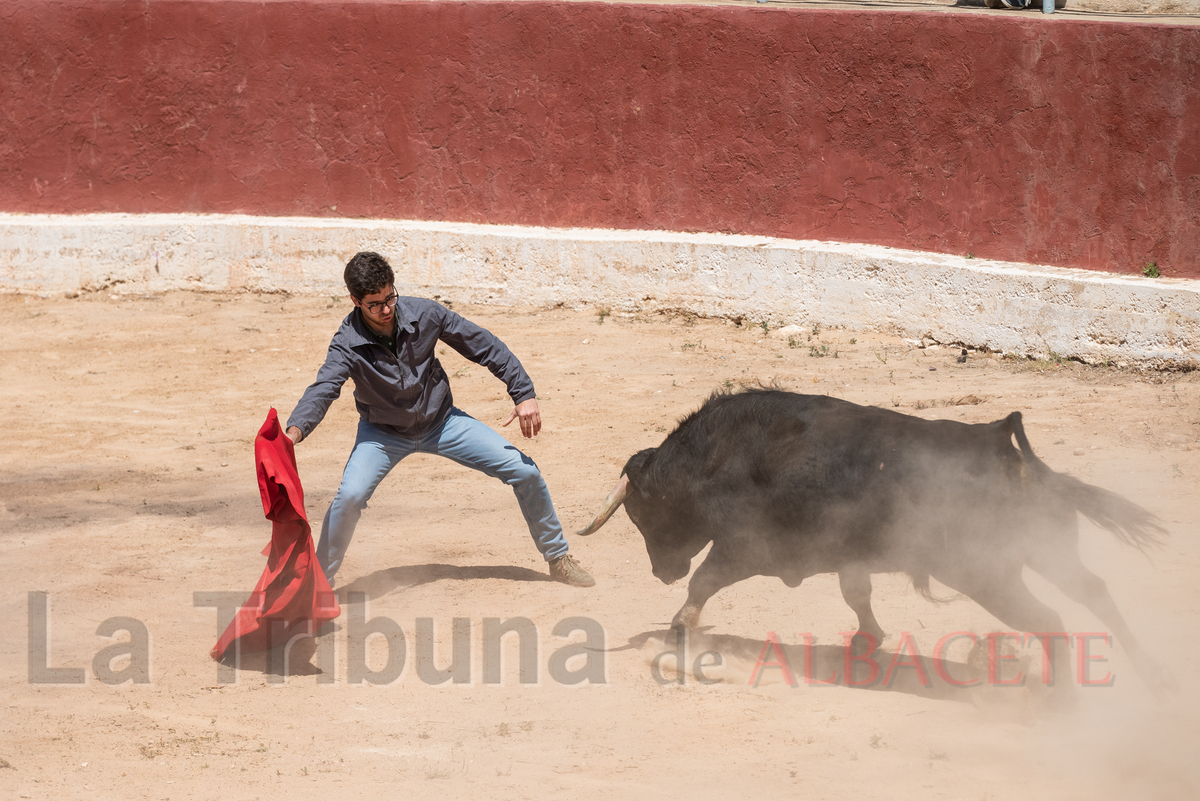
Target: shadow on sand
[[295, 658], [729, 659]]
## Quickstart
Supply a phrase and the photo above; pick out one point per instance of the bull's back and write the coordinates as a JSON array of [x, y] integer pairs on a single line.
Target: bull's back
[[826, 480], [773, 437]]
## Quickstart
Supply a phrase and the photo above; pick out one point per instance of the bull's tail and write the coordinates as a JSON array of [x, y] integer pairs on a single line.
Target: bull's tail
[[920, 582], [1129, 522]]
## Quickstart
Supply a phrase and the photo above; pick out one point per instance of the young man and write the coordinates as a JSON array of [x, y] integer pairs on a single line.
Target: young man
[[387, 345]]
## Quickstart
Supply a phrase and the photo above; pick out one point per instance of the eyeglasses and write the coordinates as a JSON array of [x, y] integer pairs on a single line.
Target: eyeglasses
[[377, 306]]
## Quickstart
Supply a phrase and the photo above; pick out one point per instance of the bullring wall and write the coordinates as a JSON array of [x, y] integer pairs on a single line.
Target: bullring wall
[[971, 177], [1017, 308], [1016, 137]]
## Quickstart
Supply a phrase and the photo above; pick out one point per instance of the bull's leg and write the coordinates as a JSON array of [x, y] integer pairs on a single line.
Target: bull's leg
[[715, 573], [1065, 569], [855, 582], [1013, 604]]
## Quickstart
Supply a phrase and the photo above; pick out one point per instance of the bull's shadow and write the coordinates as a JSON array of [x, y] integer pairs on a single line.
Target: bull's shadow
[[758, 662], [397, 579]]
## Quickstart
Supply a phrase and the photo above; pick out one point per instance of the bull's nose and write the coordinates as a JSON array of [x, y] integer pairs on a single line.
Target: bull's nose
[[667, 578]]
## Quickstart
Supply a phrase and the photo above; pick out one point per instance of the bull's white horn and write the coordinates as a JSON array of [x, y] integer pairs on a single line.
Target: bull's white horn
[[614, 499]]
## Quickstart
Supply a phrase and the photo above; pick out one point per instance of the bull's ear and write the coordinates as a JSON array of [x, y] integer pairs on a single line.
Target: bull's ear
[[637, 468]]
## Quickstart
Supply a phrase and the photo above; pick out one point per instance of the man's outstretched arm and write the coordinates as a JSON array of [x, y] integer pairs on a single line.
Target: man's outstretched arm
[[320, 394]]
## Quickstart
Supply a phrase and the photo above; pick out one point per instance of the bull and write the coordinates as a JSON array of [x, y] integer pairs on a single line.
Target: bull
[[794, 485]]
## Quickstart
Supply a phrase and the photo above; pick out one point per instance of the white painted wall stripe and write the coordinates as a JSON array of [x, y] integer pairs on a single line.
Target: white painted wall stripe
[[1018, 308]]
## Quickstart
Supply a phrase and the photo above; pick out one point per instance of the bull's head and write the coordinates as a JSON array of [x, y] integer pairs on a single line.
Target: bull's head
[[660, 514]]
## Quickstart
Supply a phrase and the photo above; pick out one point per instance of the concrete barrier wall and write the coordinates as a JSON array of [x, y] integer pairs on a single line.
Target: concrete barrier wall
[[1022, 138], [1094, 316]]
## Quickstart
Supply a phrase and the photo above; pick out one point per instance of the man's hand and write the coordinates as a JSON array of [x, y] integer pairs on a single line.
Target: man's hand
[[294, 434], [531, 418]]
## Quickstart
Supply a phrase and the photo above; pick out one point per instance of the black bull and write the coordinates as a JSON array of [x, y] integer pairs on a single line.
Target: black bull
[[795, 485]]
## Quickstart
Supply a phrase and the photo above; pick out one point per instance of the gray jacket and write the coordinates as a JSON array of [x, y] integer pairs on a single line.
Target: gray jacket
[[405, 393]]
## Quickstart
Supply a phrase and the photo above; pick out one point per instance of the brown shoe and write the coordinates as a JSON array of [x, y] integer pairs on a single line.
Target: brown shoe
[[568, 571]]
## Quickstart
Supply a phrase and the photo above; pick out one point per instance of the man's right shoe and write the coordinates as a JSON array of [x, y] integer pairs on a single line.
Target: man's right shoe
[[568, 571]]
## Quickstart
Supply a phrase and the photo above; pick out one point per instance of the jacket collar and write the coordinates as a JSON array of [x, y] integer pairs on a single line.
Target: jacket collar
[[360, 334]]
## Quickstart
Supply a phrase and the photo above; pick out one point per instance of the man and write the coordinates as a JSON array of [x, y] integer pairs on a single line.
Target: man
[[387, 345]]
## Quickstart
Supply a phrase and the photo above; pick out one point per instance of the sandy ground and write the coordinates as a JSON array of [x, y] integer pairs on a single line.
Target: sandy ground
[[127, 486]]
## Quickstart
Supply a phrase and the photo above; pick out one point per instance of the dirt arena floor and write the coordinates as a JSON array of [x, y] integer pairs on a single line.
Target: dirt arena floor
[[127, 484]]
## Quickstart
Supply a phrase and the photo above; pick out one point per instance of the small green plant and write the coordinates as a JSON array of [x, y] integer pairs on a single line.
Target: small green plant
[[816, 329], [970, 255], [766, 328], [793, 342], [1151, 270], [818, 351], [853, 341], [691, 345], [728, 383], [603, 312]]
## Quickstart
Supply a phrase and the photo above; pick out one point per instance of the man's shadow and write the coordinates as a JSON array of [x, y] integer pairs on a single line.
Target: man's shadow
[[396, 579], [294, 655]]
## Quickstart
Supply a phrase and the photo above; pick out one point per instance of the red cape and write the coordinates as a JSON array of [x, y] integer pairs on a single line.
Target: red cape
[[292, 597]]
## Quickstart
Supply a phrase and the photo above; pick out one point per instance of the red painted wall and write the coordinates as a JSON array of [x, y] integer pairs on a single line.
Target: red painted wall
[[1012, 137]]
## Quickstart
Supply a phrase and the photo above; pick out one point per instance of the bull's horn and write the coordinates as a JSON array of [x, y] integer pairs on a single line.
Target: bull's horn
[[614, 499]]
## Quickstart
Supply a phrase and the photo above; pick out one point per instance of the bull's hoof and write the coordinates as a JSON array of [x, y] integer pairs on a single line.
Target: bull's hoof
[[864, 643], [686, 618], [676, 638], [1161, 682]]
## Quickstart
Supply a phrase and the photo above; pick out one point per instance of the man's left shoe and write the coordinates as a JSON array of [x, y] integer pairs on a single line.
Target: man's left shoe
[[568, 571]]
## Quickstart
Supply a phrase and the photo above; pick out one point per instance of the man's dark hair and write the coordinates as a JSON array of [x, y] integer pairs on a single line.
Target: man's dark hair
[[368, 273]]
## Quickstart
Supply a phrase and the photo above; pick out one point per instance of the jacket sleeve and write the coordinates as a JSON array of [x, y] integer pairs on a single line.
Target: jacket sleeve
[[315, 401], [483, 347]]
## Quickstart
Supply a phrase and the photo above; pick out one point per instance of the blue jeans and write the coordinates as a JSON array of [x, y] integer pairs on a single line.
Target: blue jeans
[[461, 438]]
